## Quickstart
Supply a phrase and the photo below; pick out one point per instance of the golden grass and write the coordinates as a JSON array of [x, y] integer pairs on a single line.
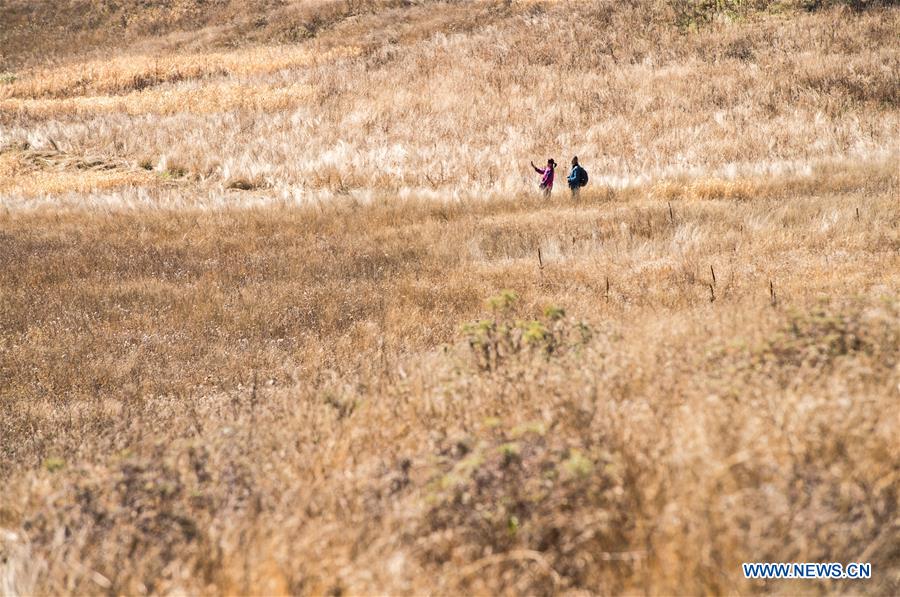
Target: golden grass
[[36, 183], [31, 173], [279, 321], [189, 99], [827, 176], [417, 109], [255, 386], [121, 75]]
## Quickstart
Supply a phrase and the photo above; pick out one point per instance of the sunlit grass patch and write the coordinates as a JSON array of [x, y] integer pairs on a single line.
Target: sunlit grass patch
[[820, 176], [191, 99], [73, 182], [124, 74]]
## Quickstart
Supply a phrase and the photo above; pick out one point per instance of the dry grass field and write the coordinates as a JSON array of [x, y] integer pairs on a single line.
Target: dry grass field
[[281, 310]]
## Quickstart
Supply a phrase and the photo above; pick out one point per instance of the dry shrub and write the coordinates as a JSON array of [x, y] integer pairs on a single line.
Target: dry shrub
[[816, 339], [524, 507], [152, 513]]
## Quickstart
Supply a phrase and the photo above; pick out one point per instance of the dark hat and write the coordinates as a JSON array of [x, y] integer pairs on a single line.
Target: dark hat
[[552, 161]]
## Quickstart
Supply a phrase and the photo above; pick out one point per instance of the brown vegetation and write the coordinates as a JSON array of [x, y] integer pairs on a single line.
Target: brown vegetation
[[201, 400], [286, 319]]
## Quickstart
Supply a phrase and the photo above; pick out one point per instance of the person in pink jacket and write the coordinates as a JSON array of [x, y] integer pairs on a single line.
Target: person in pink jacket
[[546, 176]]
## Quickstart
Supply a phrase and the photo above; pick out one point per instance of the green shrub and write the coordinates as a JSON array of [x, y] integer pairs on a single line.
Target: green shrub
[[831, 331], [493, 341]]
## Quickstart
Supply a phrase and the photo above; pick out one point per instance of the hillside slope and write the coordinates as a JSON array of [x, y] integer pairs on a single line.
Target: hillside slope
[[35, 31], [282, 310], [46, 30], [458, 97]]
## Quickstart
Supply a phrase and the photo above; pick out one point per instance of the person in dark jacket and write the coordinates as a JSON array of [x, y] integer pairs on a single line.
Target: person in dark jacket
[[577, 178]]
